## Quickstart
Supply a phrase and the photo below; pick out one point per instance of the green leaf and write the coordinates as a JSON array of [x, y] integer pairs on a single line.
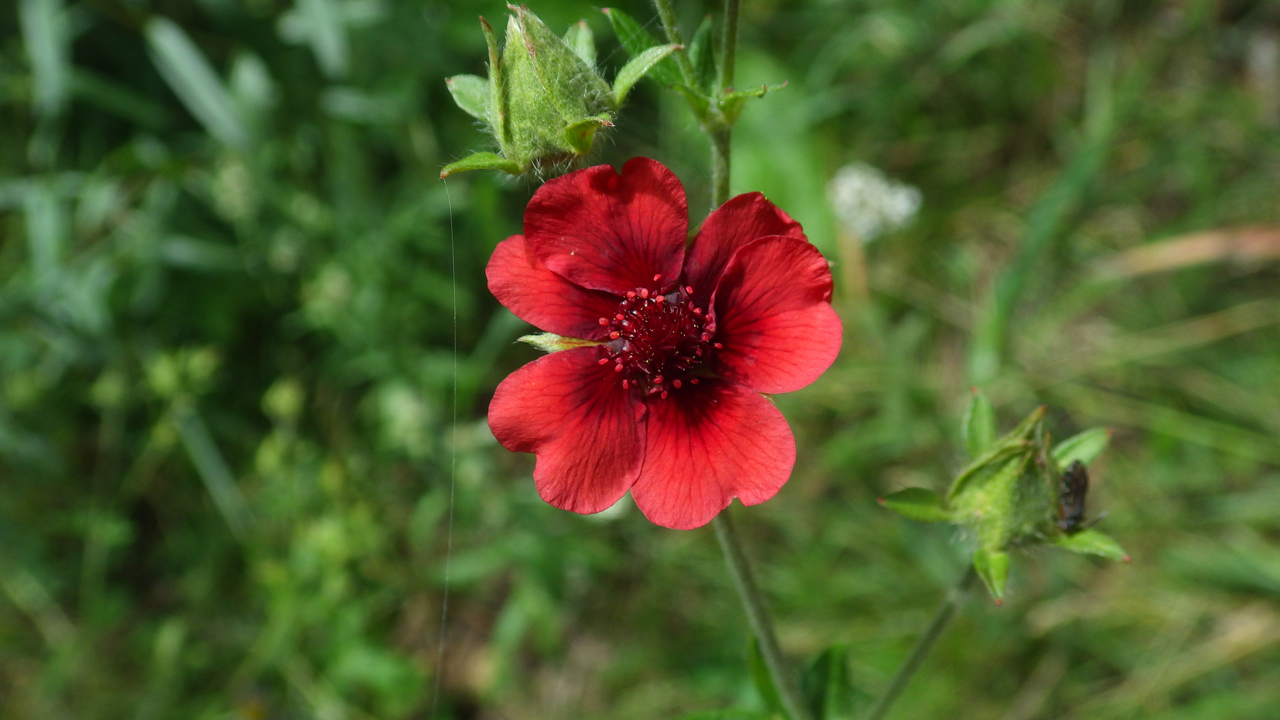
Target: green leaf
[[638, 67], [1085, 447], [763, 681], [583, 43], [1092, 542], [993, 568], [47, 39], [979, 424], [702, 53], [194, 81], [635, 39], [550, 342], [580, 134], [725, 715], [917, 504], [732, 103], [472, 94], [481, 161], [825, 685]]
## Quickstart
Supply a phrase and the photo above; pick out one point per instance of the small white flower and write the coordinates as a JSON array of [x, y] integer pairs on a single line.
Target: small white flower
[[869, 204]]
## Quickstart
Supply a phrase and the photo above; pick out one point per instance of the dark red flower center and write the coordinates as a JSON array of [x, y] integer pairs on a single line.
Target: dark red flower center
[[656, 342]]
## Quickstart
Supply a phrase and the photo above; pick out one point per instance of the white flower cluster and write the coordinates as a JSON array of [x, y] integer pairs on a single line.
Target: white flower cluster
[[870, 204]]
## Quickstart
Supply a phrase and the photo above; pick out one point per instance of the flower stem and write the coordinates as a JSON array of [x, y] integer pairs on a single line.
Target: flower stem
[[667, 14], [955, 598], [719, 165], [761, 625]]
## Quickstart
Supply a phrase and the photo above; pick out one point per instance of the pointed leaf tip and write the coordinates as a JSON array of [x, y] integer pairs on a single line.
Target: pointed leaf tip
[[1092, 542], [993, 568], [979, 424], [917, 504]]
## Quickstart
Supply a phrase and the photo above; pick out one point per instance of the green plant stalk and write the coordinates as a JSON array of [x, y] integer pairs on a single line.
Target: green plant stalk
[[728, 47], [719, 165], [761, 625], [667, 13], [955, 598]]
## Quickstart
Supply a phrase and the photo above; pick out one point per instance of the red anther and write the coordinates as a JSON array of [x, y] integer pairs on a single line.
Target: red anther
[[693, 380], [659, 298], [696, 311], [631, 293], [697, 352], [624, 383], [657, 277], [620, 316], [615, 335], [688, 289], [603, 361], [664, 394], [644, 293], [603, 321], [657, 379], [675, 384], [617, 368], [718, 346]]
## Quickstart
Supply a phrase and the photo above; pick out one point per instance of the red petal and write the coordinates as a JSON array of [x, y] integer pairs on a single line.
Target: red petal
[[544, 299], [729, 227], [574, 415], [774, 316], [706, 445], [611, 232]]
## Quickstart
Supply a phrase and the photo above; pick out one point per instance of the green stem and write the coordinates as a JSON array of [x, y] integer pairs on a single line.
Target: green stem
[[719, 165], [728, 46], [757, 616], [941, 619], [667, 13]]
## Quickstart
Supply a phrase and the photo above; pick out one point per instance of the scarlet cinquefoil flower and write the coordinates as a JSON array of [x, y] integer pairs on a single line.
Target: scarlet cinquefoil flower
[[666, 401]]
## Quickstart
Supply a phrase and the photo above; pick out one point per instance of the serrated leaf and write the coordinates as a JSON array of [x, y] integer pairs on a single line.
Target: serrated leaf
[[582, 41], [472, 94], [993, 568], [763, 681], [635, 39], [1092, 542], [825, 685], [481, 161], [1085, 447], [979, 424], [702, 53], [638, 67], [917, 504], [550, 342]]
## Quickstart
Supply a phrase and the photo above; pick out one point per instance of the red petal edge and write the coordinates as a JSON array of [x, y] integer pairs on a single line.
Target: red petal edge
[[542, 298], [727, 229], [706, 445], [774, 316], [587, 432], [611, 232]]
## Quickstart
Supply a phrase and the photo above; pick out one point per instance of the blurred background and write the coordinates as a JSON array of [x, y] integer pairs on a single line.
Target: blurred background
[[228, 281]]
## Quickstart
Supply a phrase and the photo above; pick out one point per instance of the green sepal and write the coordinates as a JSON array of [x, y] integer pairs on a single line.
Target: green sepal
[[638, 67], [731, 103], [702, 53], [497, 86], [1092, 542], [917, 504], [581, 134], [472, 94], [635, 39], [993, 568], [988, 464], [1085, 447], [825, 685], [481, 161], [550, 342], [762, 679], [979, 424], [582, 41]]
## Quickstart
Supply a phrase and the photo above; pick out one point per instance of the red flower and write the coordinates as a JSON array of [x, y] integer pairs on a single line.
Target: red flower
[[668, 404]]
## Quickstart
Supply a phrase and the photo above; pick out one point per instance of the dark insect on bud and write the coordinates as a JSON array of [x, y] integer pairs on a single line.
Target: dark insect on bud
[[1072, 488]]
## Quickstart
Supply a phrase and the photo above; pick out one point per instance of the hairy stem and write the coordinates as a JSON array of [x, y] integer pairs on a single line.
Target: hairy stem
[[667, 13], [761, 625], [728, 46], [719, 165], [941, 619]]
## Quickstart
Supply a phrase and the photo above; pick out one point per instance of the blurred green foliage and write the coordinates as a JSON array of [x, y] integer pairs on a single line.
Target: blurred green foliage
[[245, 344]]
